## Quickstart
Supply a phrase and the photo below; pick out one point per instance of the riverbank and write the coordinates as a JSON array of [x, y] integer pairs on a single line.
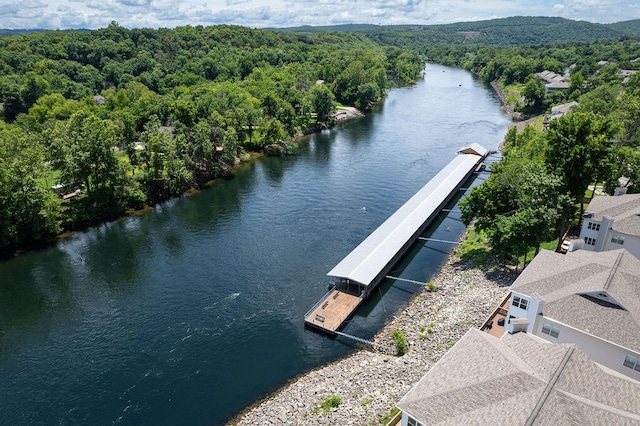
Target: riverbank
[[521, 120], [346, 113], [368, 382], [341, 115], [506, 107]]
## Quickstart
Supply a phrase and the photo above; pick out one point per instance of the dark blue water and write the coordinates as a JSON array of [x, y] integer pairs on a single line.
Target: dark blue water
[[193, 311]]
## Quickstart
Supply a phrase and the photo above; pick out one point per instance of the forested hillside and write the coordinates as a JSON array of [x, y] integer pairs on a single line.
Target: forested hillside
[[520, 30], [117, 118], [627, 27]]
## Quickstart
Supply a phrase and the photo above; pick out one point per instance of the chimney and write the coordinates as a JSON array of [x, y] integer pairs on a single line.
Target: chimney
[[516, 325]]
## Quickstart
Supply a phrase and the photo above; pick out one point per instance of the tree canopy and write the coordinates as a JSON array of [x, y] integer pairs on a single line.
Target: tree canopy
[[117, 118]]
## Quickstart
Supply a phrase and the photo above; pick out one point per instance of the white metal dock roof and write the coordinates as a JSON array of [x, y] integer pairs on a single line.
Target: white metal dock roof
[[369, 258]]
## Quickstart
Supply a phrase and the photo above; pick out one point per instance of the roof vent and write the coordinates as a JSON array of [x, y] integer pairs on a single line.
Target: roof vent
[[603, 299], [619, 191]]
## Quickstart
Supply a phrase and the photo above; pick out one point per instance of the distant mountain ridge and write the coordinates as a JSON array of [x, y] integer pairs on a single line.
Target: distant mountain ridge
[[505, 31], [7, 32]]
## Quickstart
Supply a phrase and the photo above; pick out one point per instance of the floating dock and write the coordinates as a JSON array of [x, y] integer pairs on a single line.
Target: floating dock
[[359, 273]]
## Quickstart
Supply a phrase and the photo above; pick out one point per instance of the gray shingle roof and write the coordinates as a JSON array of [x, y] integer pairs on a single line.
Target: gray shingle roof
[[551, 77], [520, 378], [623, 209], [563, 108], [562, 280]]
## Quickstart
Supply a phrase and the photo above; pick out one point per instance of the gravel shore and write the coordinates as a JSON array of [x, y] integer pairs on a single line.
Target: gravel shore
[[370, 382]]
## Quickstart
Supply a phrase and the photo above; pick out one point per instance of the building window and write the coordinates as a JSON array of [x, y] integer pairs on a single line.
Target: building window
[[590, 241], [593, 225], [413, 422], [617, 239], [520, 302], [551, 330], [632, 362]]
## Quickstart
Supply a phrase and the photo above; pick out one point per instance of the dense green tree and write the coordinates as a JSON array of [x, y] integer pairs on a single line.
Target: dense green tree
[[578, 151], [203, 142], [286, 114], [273, 132], [10, 93], [577, 85], [28, 208], [408, 66], [32, 88], [48, 110], [367, 93], [624, 169], [601, 100], [165, 171], [322, 102], [518, 69], [519, 206], [346, 84], [534, 93], [529, 144], [83, 152]]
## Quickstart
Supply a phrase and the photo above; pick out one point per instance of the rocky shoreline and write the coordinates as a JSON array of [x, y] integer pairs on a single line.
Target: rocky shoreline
[[506, 107], [370, 382]]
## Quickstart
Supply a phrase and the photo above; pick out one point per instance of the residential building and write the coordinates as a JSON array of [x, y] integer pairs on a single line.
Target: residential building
[[553, 82], [558, 111], [519, 379], [611, 223], [587, 298]]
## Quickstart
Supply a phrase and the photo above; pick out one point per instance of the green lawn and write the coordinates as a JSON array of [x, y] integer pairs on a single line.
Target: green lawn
[[474, 247]]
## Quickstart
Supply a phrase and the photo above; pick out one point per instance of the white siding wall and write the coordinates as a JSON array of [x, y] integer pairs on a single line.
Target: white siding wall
[[631, 243], [601, 351], [534, 307], [603, 234], [585, 232], [405, 418]]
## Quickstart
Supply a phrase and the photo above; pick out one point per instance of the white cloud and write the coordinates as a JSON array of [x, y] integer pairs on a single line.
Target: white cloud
[[603, 11], [282, 13]]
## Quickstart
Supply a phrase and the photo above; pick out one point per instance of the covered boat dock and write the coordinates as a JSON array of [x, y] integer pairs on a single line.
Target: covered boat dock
[[355, 277]]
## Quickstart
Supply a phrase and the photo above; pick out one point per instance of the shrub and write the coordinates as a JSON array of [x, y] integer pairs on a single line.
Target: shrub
[[402, 346], [387, 417], [330, 402]]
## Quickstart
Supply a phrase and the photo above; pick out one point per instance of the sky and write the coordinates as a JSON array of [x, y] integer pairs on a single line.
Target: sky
[[65, 14]]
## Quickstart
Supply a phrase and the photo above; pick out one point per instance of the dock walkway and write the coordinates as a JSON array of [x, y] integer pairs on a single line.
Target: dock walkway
[[332, 310]]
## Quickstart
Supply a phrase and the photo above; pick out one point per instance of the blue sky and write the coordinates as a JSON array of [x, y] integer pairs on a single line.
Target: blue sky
[[64, 14]]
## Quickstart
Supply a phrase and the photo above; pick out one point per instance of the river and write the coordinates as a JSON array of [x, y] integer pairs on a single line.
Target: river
[[192, 311]]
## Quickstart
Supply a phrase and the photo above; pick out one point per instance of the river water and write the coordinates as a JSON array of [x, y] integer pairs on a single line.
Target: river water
[[191, 312]]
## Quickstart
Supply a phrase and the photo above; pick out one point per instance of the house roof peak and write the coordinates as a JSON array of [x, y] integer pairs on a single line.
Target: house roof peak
[[598, 292]]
